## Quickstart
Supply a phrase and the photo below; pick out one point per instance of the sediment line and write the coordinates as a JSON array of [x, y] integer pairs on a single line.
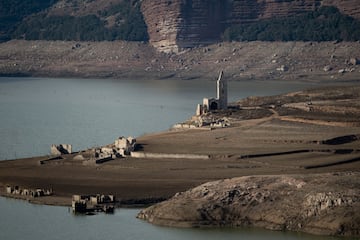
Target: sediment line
[[319, 122], [333, 164], [274, 154]]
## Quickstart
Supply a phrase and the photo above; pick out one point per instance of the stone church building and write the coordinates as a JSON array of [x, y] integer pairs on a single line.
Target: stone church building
[[218, 103]]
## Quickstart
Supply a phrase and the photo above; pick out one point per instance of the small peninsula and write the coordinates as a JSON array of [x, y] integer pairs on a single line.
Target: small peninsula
[[285, 162]]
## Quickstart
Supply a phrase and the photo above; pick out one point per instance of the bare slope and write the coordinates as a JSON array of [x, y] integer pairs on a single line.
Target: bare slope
[[327, 61]]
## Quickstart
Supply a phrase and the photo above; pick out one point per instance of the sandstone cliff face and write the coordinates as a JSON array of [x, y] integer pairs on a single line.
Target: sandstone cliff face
[[163, 19], [325, 204], [177, 24]]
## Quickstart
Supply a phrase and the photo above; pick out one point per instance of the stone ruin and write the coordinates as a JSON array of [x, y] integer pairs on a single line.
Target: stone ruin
[[16, 190], [93, 203], [122, 147], [60, 149], [218, 103], [125, 145], [204, 116]]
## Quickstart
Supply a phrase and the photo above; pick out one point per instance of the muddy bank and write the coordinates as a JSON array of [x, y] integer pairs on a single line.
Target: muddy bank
[[327, 204]]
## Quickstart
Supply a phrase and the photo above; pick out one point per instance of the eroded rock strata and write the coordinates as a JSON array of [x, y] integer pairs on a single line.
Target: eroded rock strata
[[321, 204], [186, 23]]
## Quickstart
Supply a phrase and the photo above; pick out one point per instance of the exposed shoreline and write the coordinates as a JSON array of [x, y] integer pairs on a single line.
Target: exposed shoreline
[[277, 136], [291, 61]]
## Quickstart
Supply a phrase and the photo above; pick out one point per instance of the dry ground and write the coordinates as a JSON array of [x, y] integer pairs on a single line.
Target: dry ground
[[133, 60]]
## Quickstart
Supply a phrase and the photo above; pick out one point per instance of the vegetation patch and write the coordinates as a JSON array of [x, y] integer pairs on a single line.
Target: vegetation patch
[[13, 11], [129, 25], [324, 24]]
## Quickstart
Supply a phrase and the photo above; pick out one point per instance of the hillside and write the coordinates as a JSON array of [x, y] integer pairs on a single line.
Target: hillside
[[92, 20], [172, 26]]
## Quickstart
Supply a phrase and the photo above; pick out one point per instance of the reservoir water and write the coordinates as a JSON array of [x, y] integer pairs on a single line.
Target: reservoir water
[[38, 112], [20, 220]]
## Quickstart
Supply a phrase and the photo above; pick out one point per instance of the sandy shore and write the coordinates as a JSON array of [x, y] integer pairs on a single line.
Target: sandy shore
[[289, 139]]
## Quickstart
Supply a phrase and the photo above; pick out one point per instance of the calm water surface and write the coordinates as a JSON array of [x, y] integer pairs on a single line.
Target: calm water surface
[[20, 220], [38, 112]]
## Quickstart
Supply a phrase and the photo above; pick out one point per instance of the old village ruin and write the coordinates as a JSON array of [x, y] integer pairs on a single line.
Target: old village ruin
[[86, 204], [122, 147]]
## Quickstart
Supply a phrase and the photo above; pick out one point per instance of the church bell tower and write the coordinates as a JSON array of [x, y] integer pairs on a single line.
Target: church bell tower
[[222, 91]]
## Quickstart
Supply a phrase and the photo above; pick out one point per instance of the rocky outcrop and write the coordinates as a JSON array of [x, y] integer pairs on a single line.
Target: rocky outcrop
[[183, 24], [190, 23], [326, 204], [174, 25]]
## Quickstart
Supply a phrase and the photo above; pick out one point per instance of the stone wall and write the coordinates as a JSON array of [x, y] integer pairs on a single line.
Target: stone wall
[[168, 155]]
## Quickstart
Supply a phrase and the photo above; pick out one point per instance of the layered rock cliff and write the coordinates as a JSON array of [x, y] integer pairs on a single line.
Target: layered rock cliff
[[183, 24], [177, 24]]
